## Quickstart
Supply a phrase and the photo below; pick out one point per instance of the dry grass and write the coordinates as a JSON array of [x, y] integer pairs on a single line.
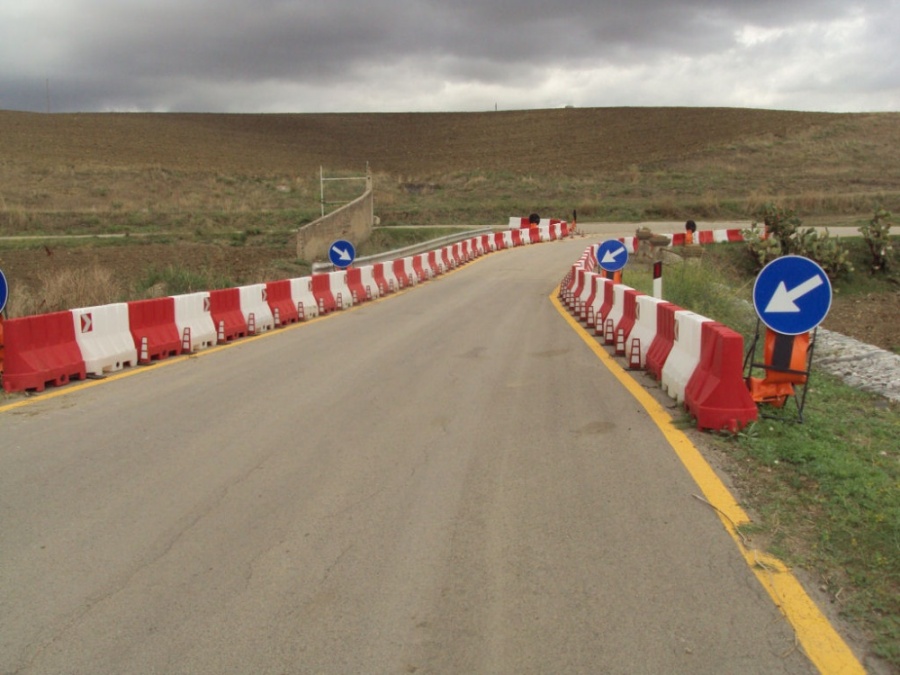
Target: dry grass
[[56, 289]]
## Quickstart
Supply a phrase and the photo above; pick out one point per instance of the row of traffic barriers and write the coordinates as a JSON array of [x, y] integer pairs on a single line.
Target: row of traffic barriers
[[56, 348], [698, 362]]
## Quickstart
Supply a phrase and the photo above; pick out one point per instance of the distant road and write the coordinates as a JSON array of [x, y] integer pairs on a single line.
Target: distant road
[[446, 481]]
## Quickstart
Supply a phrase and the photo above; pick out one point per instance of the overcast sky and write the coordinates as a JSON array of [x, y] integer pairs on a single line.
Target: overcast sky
[[447, 55]]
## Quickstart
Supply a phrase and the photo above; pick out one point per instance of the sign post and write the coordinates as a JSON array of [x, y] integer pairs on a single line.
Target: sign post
[[792, 295], [342, 254]]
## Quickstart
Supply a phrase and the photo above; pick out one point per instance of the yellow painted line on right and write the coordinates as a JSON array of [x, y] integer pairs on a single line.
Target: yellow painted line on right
[[820, 641]]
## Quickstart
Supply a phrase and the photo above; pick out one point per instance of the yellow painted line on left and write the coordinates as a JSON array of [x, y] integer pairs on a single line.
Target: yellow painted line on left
[[820, 641]]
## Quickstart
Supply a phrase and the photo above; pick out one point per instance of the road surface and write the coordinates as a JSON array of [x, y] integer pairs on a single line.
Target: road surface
[[445, 481]]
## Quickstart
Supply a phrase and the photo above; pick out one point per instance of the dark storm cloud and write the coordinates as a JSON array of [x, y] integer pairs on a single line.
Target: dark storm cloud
[[427, 54]]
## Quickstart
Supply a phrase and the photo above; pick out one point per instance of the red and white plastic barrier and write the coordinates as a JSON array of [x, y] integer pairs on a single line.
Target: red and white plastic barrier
[[40, 350], [152, 325], [304, 298], [698, 362], [225, 309], [193, 318], [685, 354], [54, 348], [340, 289], [255, 307], [281, 303], [321, 288], [104, 338]]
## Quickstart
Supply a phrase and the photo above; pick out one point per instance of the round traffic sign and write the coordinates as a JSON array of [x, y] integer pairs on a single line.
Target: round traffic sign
[[341, 253], [4, 291], [792, 295], [612, 255]]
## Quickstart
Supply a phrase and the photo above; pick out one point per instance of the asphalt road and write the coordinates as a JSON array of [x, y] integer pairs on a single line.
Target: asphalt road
[[446, 481]]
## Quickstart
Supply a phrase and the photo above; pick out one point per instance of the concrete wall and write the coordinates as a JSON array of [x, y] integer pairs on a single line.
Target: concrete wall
[[352, 222]]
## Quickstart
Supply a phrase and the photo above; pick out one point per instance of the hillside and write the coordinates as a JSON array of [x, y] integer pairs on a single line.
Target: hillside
[[546, 141], [219, 196]]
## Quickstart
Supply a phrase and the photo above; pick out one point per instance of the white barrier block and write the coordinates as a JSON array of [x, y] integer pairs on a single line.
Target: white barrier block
[[253, 301], [586, 289], [645, 325], [389, 277], [618, 306], [544, 231], [301, 292], [192, 311], [104, 338], [720, 236], [338, 284], [368, 281], [598, 287], [685, 354], [508, 239]]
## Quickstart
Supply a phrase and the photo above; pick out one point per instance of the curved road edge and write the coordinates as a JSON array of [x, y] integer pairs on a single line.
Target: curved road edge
[[819, 639]]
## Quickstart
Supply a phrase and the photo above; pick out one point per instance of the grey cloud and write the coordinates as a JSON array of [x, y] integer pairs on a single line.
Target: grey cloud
[[186, 55]]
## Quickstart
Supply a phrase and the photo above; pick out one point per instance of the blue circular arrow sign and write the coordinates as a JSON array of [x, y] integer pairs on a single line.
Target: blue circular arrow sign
[[341, 253], [612, 255], [4, 291], [792, 295]]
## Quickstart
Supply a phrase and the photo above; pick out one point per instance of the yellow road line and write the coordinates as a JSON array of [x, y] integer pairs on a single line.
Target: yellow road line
[[819, 639]]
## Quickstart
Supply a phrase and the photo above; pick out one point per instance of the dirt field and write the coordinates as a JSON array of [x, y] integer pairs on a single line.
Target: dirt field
[[110, 168]]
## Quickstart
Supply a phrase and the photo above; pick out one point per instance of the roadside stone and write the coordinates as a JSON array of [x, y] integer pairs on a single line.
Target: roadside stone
[[858, 364]]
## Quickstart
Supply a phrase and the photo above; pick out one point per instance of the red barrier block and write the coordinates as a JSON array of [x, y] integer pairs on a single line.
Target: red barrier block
[[154, 321], [629, 315], [517, 237], [278, 295], [380, 280], [678, 239], [40, 350], [665, 338], [435, 263], [591, 279], [706, 237], [399, 269], [735, 235], [535, 234], [225, 309], [499, 241], [356, 285], [321, 289], [418, 268], [716, 394], [578, 287]]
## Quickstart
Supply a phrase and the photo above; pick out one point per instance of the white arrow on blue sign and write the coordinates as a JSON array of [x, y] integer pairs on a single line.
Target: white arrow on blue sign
[[4, 291], [792, 295], [612, 255], [341, 253]]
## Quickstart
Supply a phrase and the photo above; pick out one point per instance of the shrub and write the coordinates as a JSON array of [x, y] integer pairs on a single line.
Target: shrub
[[877, 235], [784, 235]]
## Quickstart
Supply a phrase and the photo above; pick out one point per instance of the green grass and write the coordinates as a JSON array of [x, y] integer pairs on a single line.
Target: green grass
[[826, 493], [172, 280]]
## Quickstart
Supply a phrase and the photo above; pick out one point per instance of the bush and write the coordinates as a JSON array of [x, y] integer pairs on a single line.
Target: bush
[[784, 235], [878, 238]]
